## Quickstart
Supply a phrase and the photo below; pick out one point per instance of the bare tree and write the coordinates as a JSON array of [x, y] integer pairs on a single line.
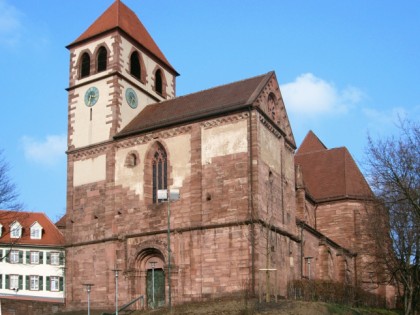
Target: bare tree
[[8, 198], [393, 166], [8, 192]]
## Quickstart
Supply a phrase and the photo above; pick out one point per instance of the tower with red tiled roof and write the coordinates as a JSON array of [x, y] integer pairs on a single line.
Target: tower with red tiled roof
[[116, 70]]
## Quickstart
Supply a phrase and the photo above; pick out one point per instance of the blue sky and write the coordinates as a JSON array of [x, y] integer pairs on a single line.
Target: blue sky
[[345, 68]]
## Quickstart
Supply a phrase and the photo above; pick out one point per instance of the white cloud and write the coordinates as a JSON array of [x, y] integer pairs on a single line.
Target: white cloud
[[10, 24], [48, 152], [311, 95]]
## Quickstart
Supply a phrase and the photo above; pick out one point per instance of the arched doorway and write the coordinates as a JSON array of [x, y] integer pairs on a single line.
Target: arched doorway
[[151, 263]]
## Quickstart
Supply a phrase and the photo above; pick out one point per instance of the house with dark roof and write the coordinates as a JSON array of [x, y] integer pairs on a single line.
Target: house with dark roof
[[31, 259], [197, 196]]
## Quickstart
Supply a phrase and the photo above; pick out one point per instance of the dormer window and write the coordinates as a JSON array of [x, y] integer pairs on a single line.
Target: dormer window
[[15, 230], [1, 230], [36, 231]]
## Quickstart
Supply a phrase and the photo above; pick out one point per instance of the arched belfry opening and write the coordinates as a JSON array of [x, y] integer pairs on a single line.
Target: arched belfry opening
[[152, 281]]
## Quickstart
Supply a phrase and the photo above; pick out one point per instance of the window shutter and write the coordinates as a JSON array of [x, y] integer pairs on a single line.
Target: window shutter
[[48, 288], [41, 257], [61, 283], [20, 257], [27, 284], [28, 257], [8, 255], [1, 281], [41, 283], [20, 282], [48, 258], [7, 282], [1, 255]]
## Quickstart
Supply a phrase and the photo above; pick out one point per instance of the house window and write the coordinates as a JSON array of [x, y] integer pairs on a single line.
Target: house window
[[102, 59], [34, 257], [14, 282], [135, 68], [34, 283], [160, 168], [158, 81], [54, 284], [14, 257], [85, 66], [55, 259]]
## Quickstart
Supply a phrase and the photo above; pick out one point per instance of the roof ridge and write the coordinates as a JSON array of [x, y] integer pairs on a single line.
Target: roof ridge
[[213, 88]]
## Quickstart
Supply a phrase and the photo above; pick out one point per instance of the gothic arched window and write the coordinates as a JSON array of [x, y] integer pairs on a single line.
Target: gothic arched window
[[160, 170], [102, 59], [85, 66], [158, 81], [135, 68]]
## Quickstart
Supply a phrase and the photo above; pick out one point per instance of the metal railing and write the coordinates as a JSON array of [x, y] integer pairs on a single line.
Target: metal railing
[[125, 306]]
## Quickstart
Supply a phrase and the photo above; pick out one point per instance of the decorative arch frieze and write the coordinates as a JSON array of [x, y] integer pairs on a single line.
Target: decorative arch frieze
[[224, 120], [143, 139]]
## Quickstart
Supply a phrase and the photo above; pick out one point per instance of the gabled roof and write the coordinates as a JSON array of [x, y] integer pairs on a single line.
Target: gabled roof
[[51, 236], [215, 101], [330, 173], [119, 16]]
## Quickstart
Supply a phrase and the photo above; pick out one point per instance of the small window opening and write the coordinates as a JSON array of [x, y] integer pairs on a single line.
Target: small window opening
[[85, 65], [135, 69], [158, 81], [102, 59]]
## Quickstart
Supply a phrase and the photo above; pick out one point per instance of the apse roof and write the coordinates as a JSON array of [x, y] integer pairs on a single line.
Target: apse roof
[[119, 16], [51, 236], [330, 173], [214, 101]]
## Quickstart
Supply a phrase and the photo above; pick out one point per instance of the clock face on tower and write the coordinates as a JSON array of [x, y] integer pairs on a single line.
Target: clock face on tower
[[91, 96], [131, 98]]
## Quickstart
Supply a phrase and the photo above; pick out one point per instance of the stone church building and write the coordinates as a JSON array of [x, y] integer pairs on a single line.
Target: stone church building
[[252, 207]]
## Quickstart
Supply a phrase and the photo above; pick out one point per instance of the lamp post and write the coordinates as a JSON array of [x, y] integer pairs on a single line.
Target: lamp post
[[116, 289], [169, 194], [88, 289]]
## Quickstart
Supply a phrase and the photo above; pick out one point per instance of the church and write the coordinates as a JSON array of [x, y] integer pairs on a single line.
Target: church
[[199, 196]]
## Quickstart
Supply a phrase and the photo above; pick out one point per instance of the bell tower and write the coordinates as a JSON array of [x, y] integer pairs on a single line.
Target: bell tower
[[116, 69]]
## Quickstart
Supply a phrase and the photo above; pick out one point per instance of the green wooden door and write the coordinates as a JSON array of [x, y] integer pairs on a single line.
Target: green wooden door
[[155, 288]]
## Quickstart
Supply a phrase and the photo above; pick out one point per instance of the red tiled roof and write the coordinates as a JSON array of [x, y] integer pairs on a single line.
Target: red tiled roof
[[118, 15], [61, 224], [330, 173], [198, 105], [51, 236], [311, 143]]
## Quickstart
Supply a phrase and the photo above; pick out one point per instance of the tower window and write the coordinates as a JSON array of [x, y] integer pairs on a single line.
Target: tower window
[[102, 59], [85, 71], [158, 81], [135, 68], [160, 168]]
